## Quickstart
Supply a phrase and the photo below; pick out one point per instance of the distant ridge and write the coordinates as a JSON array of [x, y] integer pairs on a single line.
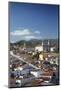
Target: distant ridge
[[34, 42]]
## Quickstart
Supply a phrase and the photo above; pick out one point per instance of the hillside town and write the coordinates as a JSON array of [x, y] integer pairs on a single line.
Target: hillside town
[[33, 66]]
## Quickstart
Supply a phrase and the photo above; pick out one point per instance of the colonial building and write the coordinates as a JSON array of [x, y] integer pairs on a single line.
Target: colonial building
[[43, 47]]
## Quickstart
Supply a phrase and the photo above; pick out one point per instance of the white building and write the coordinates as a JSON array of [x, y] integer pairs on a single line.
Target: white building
[[43, 47], [18, 82], [52, 49], [39, 48], [18, 68], [36, 73]]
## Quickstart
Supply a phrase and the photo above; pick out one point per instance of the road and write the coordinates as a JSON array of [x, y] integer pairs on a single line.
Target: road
[[20, 58]]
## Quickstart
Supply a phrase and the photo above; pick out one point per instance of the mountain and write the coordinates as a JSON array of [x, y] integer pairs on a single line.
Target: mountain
[[34, 42]]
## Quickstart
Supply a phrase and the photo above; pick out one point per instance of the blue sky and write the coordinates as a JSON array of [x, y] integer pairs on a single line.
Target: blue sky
[[33, 21]]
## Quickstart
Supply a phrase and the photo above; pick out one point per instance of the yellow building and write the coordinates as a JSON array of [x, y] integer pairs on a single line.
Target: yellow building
[[41, 57]]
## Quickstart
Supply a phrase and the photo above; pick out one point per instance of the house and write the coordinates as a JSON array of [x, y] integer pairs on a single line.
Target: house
[[52, 49], [36, 73], [39, 48], [18, 82]]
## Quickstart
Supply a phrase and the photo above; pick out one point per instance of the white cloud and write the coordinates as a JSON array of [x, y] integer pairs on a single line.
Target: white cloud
[[21, 32], [24, 34], [30, 37], [37, 32]]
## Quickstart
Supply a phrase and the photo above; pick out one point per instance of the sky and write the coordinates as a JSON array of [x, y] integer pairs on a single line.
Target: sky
[[32, 21]]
